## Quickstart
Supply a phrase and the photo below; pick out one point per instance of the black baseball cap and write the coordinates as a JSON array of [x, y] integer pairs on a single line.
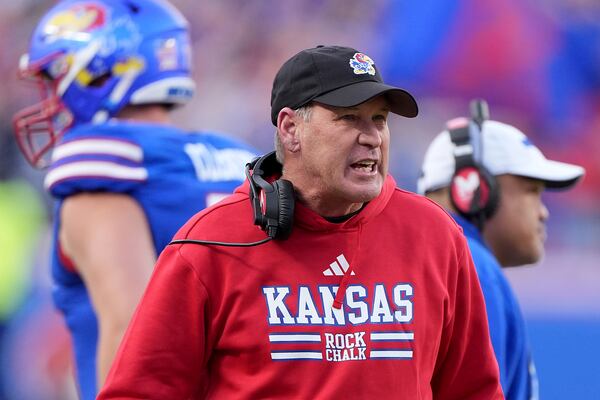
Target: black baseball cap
[[336, 76]]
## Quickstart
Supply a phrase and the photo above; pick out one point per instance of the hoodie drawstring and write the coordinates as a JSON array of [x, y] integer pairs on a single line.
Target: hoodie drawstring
[[338, 302]]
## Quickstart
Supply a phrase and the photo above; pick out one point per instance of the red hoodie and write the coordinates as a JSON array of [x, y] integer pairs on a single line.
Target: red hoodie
[[259, 322]]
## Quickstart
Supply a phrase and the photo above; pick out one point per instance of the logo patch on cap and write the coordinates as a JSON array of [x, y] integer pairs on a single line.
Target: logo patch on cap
[[362, 64]]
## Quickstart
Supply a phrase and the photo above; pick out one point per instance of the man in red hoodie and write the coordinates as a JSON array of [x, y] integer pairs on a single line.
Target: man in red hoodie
[[366, 292]]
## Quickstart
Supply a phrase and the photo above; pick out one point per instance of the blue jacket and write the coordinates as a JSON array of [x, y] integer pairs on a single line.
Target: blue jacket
[[507, 326]]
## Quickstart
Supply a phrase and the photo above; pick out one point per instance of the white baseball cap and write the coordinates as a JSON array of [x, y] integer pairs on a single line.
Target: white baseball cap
[[505, 150]]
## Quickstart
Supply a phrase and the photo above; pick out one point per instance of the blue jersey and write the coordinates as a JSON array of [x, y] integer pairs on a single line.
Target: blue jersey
[[507, 326], [170, 173]]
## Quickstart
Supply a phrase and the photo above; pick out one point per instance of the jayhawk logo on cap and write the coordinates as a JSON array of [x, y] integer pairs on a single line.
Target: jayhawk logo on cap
[[362, 64], [75, 23]]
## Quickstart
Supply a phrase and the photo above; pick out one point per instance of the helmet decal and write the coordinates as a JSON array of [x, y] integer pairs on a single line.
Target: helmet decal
[[167, 54], [75, 23]]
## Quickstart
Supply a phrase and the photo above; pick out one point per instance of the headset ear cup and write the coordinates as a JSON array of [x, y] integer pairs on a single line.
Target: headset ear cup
[[287, 199], [464, 187], [473, 191], [490, 185]]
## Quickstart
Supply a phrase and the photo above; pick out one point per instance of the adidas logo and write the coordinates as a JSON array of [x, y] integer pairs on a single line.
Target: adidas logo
[[339, 267]]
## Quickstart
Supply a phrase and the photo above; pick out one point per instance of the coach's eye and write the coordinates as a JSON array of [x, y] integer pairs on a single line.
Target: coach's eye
[[348, 117]]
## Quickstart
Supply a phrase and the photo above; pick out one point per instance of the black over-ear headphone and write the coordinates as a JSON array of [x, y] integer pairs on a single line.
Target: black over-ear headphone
[[474, 191], [272, 203]]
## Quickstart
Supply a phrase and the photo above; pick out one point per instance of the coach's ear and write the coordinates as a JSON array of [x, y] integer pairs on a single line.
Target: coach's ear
[[287, 129]]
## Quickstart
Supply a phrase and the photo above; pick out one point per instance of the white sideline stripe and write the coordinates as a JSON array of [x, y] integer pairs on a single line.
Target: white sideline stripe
[[335, 267], [301, 355], [103, 169], [117, 148], [391, 354], [295, 338], [393, 336]]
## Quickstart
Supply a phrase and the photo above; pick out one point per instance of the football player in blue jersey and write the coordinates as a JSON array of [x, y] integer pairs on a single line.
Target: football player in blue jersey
[[491, 178], [124, 177]]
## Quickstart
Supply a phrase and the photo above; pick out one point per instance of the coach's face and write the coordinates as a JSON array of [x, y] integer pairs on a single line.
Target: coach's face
[[517, 231], [342, 156]]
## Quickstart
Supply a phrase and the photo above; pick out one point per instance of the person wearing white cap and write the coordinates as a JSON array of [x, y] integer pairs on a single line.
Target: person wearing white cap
[[490, 177]]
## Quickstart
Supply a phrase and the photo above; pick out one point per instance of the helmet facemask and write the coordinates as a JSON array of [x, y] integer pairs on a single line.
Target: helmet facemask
[[38, 127]]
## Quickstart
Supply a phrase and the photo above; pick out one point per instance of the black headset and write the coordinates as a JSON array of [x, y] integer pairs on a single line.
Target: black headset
[[272, 203], [474, 191]]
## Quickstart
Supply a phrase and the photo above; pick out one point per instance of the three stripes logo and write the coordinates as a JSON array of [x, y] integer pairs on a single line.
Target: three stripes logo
[[338, 267]]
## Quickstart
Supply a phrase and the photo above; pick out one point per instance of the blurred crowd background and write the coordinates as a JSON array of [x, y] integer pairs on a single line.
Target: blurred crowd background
[[536, 62]]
